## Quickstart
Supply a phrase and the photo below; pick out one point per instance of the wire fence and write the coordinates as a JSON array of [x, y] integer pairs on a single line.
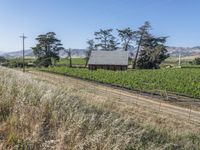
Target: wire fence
[[157, 103]]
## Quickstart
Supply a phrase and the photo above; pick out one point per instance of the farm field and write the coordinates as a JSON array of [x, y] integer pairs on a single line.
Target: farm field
[[75, 61], [44, 114], [186, 62], [178, 81]]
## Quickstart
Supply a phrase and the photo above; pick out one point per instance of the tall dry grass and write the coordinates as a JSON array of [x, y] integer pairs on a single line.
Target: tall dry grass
[[36, 115]]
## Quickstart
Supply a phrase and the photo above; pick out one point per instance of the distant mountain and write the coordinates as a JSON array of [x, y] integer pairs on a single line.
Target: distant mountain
[[76, 53], [184, 51], [29, 53], [173, 51], [14, 54]]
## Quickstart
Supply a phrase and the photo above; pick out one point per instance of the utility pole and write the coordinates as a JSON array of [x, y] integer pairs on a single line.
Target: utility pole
[[179, 58], [23, 39]]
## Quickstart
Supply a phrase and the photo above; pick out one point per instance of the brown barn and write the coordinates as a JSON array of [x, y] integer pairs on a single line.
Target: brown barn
[[110, 60]]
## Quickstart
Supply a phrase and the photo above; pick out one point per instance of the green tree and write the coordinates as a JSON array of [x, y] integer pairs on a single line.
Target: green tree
[[127, 37], [47, 49], [2, 59], [141, 35], [90, 48], [69, 56], [152, 53], [105, 40], [197, 61]]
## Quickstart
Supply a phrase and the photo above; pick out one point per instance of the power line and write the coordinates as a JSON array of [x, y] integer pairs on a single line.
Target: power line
[[23, 39]]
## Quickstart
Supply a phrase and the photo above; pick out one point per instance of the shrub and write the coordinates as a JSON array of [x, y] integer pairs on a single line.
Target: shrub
[[197, 61]]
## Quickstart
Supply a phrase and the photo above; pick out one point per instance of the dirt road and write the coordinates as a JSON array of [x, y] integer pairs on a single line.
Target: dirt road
[[147, 102]]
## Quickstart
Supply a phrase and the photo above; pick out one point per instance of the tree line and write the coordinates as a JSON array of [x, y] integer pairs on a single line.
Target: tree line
[[150, 49]]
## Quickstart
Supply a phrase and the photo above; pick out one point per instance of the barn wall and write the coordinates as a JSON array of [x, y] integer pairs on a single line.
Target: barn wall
[[107, 67]]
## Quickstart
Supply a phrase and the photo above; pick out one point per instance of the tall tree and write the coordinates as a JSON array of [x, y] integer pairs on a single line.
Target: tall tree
[[127, 37], [141, 34], [90, 48], [105, 40], [152, 53], [69, 56], [47, 48]]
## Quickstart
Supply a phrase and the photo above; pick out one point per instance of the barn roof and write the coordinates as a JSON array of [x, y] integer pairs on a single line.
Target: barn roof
[[109, 58]]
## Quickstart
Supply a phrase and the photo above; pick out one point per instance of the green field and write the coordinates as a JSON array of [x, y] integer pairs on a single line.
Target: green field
[[75, 61], [180, 81]]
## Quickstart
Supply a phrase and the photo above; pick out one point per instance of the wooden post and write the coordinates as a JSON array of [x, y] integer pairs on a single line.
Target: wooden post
[[23, 38]]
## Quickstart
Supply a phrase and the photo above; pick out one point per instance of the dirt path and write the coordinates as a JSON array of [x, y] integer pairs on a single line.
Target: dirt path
[[147, 102]]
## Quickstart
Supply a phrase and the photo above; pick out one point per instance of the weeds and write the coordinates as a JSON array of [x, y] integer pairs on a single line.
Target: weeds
[[44, 116]]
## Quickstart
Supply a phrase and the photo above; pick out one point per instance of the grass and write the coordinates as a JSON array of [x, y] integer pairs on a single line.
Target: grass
[[191, 66], [179, 81], [174, 61], [75, 61], [47, 116]]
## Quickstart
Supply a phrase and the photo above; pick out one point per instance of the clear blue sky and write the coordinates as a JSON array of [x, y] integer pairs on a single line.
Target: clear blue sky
[[75, 21]]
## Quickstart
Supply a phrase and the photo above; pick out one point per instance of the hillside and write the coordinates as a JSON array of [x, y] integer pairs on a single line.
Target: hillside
[[184, 51], [36, 114], [173, 51], [29, 53]]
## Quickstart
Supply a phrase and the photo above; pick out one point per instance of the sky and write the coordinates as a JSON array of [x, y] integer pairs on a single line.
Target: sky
[[75, 21]]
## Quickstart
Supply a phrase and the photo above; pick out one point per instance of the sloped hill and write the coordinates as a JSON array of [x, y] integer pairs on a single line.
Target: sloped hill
[[29, 53], [184, 51], [80, 53], [14, 54]]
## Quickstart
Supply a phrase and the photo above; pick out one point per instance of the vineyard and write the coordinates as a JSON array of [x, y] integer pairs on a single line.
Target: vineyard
[[179, 81]]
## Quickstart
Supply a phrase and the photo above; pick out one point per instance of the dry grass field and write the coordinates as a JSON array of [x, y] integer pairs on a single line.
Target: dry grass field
[[38, 114]]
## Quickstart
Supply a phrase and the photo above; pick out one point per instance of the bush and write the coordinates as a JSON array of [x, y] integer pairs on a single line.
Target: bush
[[197, 61]]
